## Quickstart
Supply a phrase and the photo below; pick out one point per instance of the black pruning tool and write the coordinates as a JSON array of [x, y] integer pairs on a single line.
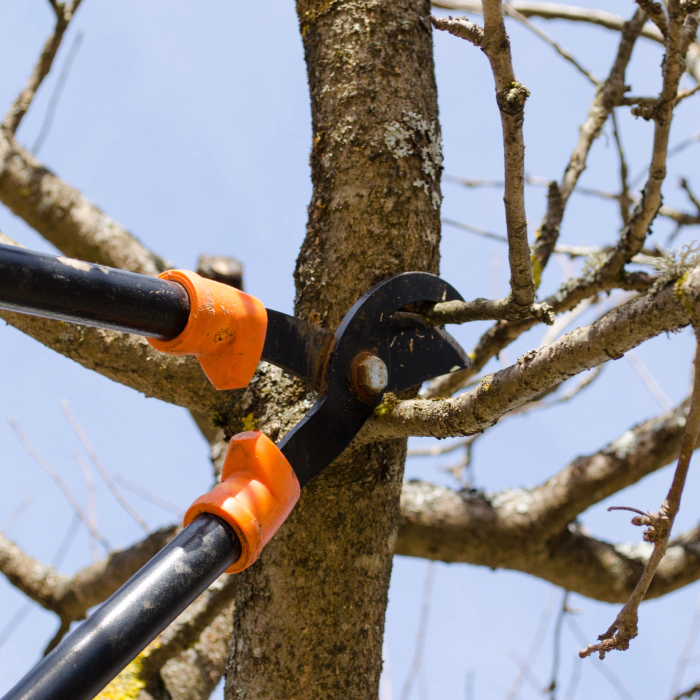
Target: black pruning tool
[[375, 350]]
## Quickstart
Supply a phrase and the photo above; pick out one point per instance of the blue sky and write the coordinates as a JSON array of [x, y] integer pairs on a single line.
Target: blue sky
[[190, 126]]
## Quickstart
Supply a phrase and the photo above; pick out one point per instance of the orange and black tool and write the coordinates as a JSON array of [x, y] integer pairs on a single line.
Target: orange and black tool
[[374, 351]]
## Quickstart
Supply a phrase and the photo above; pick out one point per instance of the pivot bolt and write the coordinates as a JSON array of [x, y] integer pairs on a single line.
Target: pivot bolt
[[370, 374]]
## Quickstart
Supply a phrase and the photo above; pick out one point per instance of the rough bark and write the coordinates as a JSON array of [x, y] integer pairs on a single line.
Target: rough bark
[[440, 524], [310, 615]]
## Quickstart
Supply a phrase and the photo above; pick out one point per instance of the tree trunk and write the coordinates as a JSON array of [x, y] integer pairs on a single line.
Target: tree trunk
[[309, 615]]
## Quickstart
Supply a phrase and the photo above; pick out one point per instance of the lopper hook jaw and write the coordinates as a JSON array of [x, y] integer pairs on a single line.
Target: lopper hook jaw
[[410, 356]]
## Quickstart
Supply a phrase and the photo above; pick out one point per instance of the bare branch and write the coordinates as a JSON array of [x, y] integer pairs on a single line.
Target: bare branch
[[56, 94], [656, 14], [606, 99], [526, 665], [435, 450], [588, 480], [649, 380], [127, 359], [625, 200], [484, 310], [16, 513], [556, 655], [148, 496], [94, 458], [41, 70], [496, 531], [659, 526], [59, 481], [422, 630], [687, 651], [553, 10], [89, 480], [584, 348], [37, 581], [564, 53], [511, 97], [461, 27], [634, 234]]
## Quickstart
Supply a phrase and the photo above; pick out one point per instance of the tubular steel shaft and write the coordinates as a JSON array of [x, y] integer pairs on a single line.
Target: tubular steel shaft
[[87, 660], [92, 295]]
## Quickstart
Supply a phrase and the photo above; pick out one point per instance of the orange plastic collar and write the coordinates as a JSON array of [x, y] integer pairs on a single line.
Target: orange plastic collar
[[225, 332], [258, 490]]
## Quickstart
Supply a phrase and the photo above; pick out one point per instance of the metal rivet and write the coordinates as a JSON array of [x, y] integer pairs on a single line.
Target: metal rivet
[[372, 375]]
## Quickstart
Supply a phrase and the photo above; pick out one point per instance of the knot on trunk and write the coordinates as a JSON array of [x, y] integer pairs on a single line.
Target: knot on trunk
[[512, 99]]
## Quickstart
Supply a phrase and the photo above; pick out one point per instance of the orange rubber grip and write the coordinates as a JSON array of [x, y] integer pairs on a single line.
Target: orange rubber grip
[[225, 331], [258, 490]]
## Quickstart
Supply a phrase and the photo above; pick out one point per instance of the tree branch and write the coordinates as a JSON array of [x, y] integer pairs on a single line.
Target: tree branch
[[634, 233], [552, 10], [127, 359], [70, 597], [588, 480], [23, 101], [461, 27], [480, 529], [608, 338], [511, 97], [607, 97]]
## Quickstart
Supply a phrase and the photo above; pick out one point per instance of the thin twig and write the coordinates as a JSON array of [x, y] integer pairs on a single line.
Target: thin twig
[[687, 650], [533, 681], [89, 480], [604, 670], [461, 27], [659, 526], [624, 198], [649, 381], [678, 148], [475, 229], [556, 653], [535, 646], [147, 495], [56, 94], [684, 94], [422, 631], [511, 96], [85, 441], [563, 52], [58, 480], [16, 513], [435, 450], [685, 185], [24, 100], [608, 95]]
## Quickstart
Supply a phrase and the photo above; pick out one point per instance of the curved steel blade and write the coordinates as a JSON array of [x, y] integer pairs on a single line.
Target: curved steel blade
[[340, 412]]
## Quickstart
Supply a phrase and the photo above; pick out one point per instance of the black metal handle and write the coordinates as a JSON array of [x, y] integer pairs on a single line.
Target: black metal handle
[[92, 295], [95, 652]]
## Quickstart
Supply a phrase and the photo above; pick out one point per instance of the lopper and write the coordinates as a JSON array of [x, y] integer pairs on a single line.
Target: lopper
[[375, 350]]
